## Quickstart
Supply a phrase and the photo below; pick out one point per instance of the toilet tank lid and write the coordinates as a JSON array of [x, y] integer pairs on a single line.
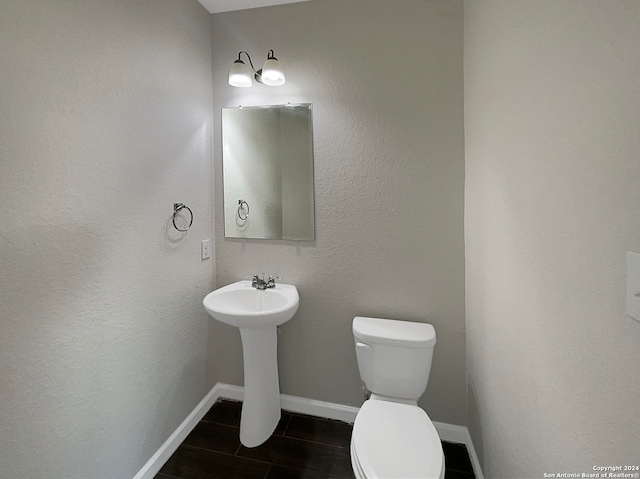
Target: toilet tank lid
[[394, 332]]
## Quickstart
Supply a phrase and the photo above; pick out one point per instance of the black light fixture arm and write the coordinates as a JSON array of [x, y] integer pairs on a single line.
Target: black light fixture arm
[[257, 74], [250, 62]]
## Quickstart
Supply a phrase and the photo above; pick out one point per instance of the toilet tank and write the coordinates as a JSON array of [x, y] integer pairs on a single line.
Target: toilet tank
[[394, 357]]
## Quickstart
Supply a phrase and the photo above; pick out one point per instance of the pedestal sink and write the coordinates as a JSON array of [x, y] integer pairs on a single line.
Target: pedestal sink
[[257, 313]]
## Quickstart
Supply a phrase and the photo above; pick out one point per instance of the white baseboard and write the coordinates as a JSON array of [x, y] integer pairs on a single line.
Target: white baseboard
[[162, 455], [316, 408], [297, 404], [311, 407], [229, 391]]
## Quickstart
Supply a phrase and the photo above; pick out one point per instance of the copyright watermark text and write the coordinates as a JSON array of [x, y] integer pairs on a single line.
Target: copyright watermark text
[[600, 472]]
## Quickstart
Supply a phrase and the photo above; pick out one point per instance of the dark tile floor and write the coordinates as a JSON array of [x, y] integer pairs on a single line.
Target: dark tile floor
[[302, 447]]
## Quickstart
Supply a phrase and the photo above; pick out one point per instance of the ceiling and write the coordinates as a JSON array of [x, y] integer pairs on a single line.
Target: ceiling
[[219, 6]]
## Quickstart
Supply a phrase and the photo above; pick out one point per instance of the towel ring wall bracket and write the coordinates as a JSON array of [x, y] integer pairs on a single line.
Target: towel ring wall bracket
[[243, 209], [177, 207]]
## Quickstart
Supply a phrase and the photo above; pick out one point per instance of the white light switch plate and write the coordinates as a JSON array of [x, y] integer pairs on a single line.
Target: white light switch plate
[[633, 285], [205, 249]]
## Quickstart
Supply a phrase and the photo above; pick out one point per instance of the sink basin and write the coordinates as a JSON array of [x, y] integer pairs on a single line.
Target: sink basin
[[257, 314], [242, 306]]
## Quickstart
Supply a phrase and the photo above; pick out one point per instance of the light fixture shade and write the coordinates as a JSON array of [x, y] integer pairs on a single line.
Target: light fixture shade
[[239, 74], [272, 72]]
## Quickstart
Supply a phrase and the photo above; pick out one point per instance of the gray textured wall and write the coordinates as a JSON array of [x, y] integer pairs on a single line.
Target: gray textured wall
[[552, 109], [106, 122], [385, 80]]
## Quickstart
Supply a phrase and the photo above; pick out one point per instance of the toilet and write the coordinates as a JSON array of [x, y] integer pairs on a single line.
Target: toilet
[[393, 438]]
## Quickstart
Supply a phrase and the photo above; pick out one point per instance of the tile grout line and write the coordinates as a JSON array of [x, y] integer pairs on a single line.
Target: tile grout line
[[286, 429], [235, 454], [215, 451]]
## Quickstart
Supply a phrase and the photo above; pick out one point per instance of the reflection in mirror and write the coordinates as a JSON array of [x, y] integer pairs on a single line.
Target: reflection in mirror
[[268, 172]]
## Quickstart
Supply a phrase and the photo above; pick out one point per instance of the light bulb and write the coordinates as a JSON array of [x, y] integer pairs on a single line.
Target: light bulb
[[272, 73]]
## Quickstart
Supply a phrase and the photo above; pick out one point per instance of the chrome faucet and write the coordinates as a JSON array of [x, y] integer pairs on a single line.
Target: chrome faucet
[[259, 282]]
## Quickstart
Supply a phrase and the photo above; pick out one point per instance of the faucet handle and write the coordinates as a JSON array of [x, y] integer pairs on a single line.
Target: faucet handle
[[272, 281]]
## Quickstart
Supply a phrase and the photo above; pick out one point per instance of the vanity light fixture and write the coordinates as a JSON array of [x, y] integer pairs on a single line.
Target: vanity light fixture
[[270, 74]]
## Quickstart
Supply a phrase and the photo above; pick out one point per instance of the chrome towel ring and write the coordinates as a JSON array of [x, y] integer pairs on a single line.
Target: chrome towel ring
[[176, 208], [242, 207]]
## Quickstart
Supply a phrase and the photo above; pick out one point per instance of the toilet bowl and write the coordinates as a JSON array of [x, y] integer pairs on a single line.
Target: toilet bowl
[[393, 438]]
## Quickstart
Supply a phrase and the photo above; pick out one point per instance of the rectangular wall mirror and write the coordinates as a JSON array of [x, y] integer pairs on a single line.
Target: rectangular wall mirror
[[267, 158]]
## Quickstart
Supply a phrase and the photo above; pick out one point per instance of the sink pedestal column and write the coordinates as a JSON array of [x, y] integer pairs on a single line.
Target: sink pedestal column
[[261, 404]]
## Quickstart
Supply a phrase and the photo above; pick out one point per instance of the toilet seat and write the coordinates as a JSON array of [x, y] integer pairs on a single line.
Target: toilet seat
[[395, 441]]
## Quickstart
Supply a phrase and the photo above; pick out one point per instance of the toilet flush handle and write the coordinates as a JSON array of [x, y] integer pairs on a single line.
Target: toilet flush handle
[[364, 353], [363, 346]]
